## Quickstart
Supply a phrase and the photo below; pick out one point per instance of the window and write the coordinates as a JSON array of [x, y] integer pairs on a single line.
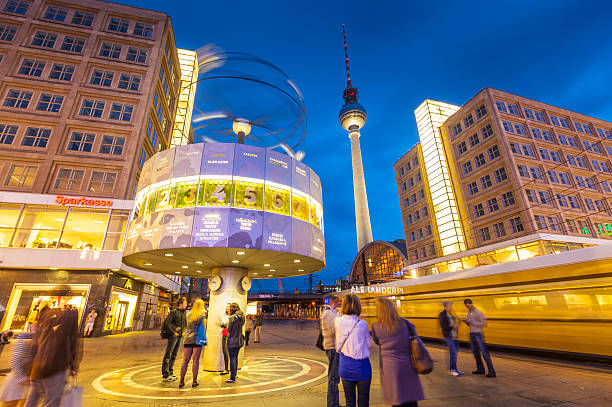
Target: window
[[31, 67], [516, 148], [501, 106], [144, 30], [492, 205], [589, 204], [554, 120], [555, 156], [102, 182], [571, 159], [159, 109], [461, 147], [417, 215], [540, 116], [547, 136], [17, 6], [564, 122], [516, 225], [457, 129], [21, 175], [69, 179], [536, 133], [17, 98], [103, 78], [81, 142], [143, 158], [409, 218], [152, 134], [110, 50], [73, 44], [467, 167], [131, 82], [468, 121], [479, 160], [423, 252], [536, 173], [545, 197], [478, 211], [508, 126], [588, 145], [474, 139], [485, 181], [553, 223], [552, 176], [472, 188], [544, 154], [580, 161], [523, 170], [486, 131], [7, 33], [600, 205], [583, 128], [421, 194], [605, 186], [404, 187], [112, 145], [500, 174], [56, 13], [484, 234], [573, 201], [91, 108], [61, 72], [122, 112], [531, 195], [136, 55], [36, 137], [481, 111], [562, 200], [529, 114], [597, 165], [410, 182], [7, 133], [603, 133], [82, 18], [513, 109], [118, 25], [499, 229], [564, 178], [417, 177], [527, 150], [508, 199], [540, 222], [44, 39], [50, 103], [580, 181], [424, 212], [493, 152]]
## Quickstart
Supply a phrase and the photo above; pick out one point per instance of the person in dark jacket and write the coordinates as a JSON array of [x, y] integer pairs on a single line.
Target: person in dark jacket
[[258, 325], [401, 386], [172, 330], [235, 339], [449, 324]]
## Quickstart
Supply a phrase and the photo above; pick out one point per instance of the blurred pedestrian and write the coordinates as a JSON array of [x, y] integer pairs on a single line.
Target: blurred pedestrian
[[476, 321], [235, 339], [56, 352], [328, 330], [172, 330], [400, 383], [450, 324], [258, 325], [15, 386], [89, 323], [353, 343], [248, 328], [193, 345], [5, 339]]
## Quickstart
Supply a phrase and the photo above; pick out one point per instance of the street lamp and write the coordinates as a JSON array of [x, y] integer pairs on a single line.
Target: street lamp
[[242, 128]]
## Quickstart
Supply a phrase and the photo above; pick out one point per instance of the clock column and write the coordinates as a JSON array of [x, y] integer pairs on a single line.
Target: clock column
[[227, 285]]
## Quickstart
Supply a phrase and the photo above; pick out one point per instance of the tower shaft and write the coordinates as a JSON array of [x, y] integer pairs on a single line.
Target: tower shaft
[[362, 212]]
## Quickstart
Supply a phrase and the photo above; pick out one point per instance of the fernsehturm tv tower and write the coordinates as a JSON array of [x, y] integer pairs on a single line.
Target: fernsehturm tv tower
[[352, 118]]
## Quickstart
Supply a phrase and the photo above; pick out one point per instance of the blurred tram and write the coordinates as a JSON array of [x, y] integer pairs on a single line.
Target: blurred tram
[[559, 303]]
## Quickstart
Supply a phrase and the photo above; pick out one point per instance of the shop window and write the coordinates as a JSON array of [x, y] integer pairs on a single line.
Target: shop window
[[39, 227], [116, 230], [9, 214], [84, 229]]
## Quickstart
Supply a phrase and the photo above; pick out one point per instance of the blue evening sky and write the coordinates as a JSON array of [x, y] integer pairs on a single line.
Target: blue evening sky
[[558, 52]]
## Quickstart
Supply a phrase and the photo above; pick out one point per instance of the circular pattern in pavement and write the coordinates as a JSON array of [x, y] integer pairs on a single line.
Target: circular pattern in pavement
[[258, 375]]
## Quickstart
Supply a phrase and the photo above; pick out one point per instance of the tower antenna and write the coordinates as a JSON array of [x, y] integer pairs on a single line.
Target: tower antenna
[[350, 93]]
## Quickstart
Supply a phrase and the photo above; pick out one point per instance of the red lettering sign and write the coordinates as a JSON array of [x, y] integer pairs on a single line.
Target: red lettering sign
[[85, 201]]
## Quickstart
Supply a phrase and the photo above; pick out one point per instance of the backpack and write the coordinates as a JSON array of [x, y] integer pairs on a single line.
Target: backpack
[[166, 332]]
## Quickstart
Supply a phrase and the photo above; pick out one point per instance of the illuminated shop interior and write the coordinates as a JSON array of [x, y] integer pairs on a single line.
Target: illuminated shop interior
[[122, 304], [382, 262], [188, 63]]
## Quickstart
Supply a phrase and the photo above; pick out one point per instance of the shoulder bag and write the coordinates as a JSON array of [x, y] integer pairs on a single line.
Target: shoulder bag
[[347, 336], [319, 343], [422, 363], [200, 337]]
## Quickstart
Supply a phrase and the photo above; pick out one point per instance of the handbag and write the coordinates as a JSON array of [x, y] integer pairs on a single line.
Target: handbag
[[73, 395], [200, 337], [319, 343], [422, 363]]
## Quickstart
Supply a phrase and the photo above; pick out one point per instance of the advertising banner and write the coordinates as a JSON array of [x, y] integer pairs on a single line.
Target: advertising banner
[[145, 174], [276, 232], [300, 237], [210, 227], [300, 178], [278, 168], [187, 160], [162, 168], [317, 244], [249, 161], [176, 228], [245, 228], [217, 159]]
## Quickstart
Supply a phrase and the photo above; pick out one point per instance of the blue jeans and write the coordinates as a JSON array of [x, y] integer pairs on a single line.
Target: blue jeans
[[478, 347], [170, 356], [357, 392], [233, 361], [333, 398], [453, 348]]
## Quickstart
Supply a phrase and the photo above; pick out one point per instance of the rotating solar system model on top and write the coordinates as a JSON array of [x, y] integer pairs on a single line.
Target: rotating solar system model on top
[[239, 205]]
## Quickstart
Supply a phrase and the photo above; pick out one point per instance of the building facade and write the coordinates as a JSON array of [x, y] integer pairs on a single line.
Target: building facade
[[88, 92]]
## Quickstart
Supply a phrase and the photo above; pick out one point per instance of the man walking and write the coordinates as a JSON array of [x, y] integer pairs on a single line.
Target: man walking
[[476, 321], [172, 330], [449, 324], [258, 324], [328, 318]]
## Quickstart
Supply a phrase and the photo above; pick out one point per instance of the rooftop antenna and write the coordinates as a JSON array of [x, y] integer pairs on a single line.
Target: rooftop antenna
[[350, 93]]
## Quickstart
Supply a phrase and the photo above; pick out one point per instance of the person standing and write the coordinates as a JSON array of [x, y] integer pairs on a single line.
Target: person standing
[[56, 352], [224, 334], [353, 343], [328, 320], [172, 330], [476, 321], [15, 386], [248, 328], [400, 383], [258, 325], [450, 324], [195, 319], [89, 323], [235, 339]]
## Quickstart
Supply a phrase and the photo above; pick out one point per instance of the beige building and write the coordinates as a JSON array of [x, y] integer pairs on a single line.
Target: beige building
[[509, 167]]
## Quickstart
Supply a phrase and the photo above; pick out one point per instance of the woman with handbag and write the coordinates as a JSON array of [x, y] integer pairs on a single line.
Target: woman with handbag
[[353, 343], [195, 339], [400, 382]]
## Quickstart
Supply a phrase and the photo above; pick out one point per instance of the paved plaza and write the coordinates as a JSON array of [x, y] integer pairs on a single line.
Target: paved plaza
[[287, 370]]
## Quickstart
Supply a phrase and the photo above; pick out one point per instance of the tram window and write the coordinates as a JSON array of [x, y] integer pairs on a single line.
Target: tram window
[[575, 301], [605, 301]]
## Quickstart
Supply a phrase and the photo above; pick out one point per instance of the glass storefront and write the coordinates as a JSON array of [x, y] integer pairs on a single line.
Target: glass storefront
[[120, 310], [58, 227]]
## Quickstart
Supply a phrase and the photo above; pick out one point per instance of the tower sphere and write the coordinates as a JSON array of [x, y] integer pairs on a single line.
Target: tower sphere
[[352, 116]]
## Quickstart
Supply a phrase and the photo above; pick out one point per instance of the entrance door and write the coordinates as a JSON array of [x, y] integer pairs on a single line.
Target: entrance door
[[120, 315]]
